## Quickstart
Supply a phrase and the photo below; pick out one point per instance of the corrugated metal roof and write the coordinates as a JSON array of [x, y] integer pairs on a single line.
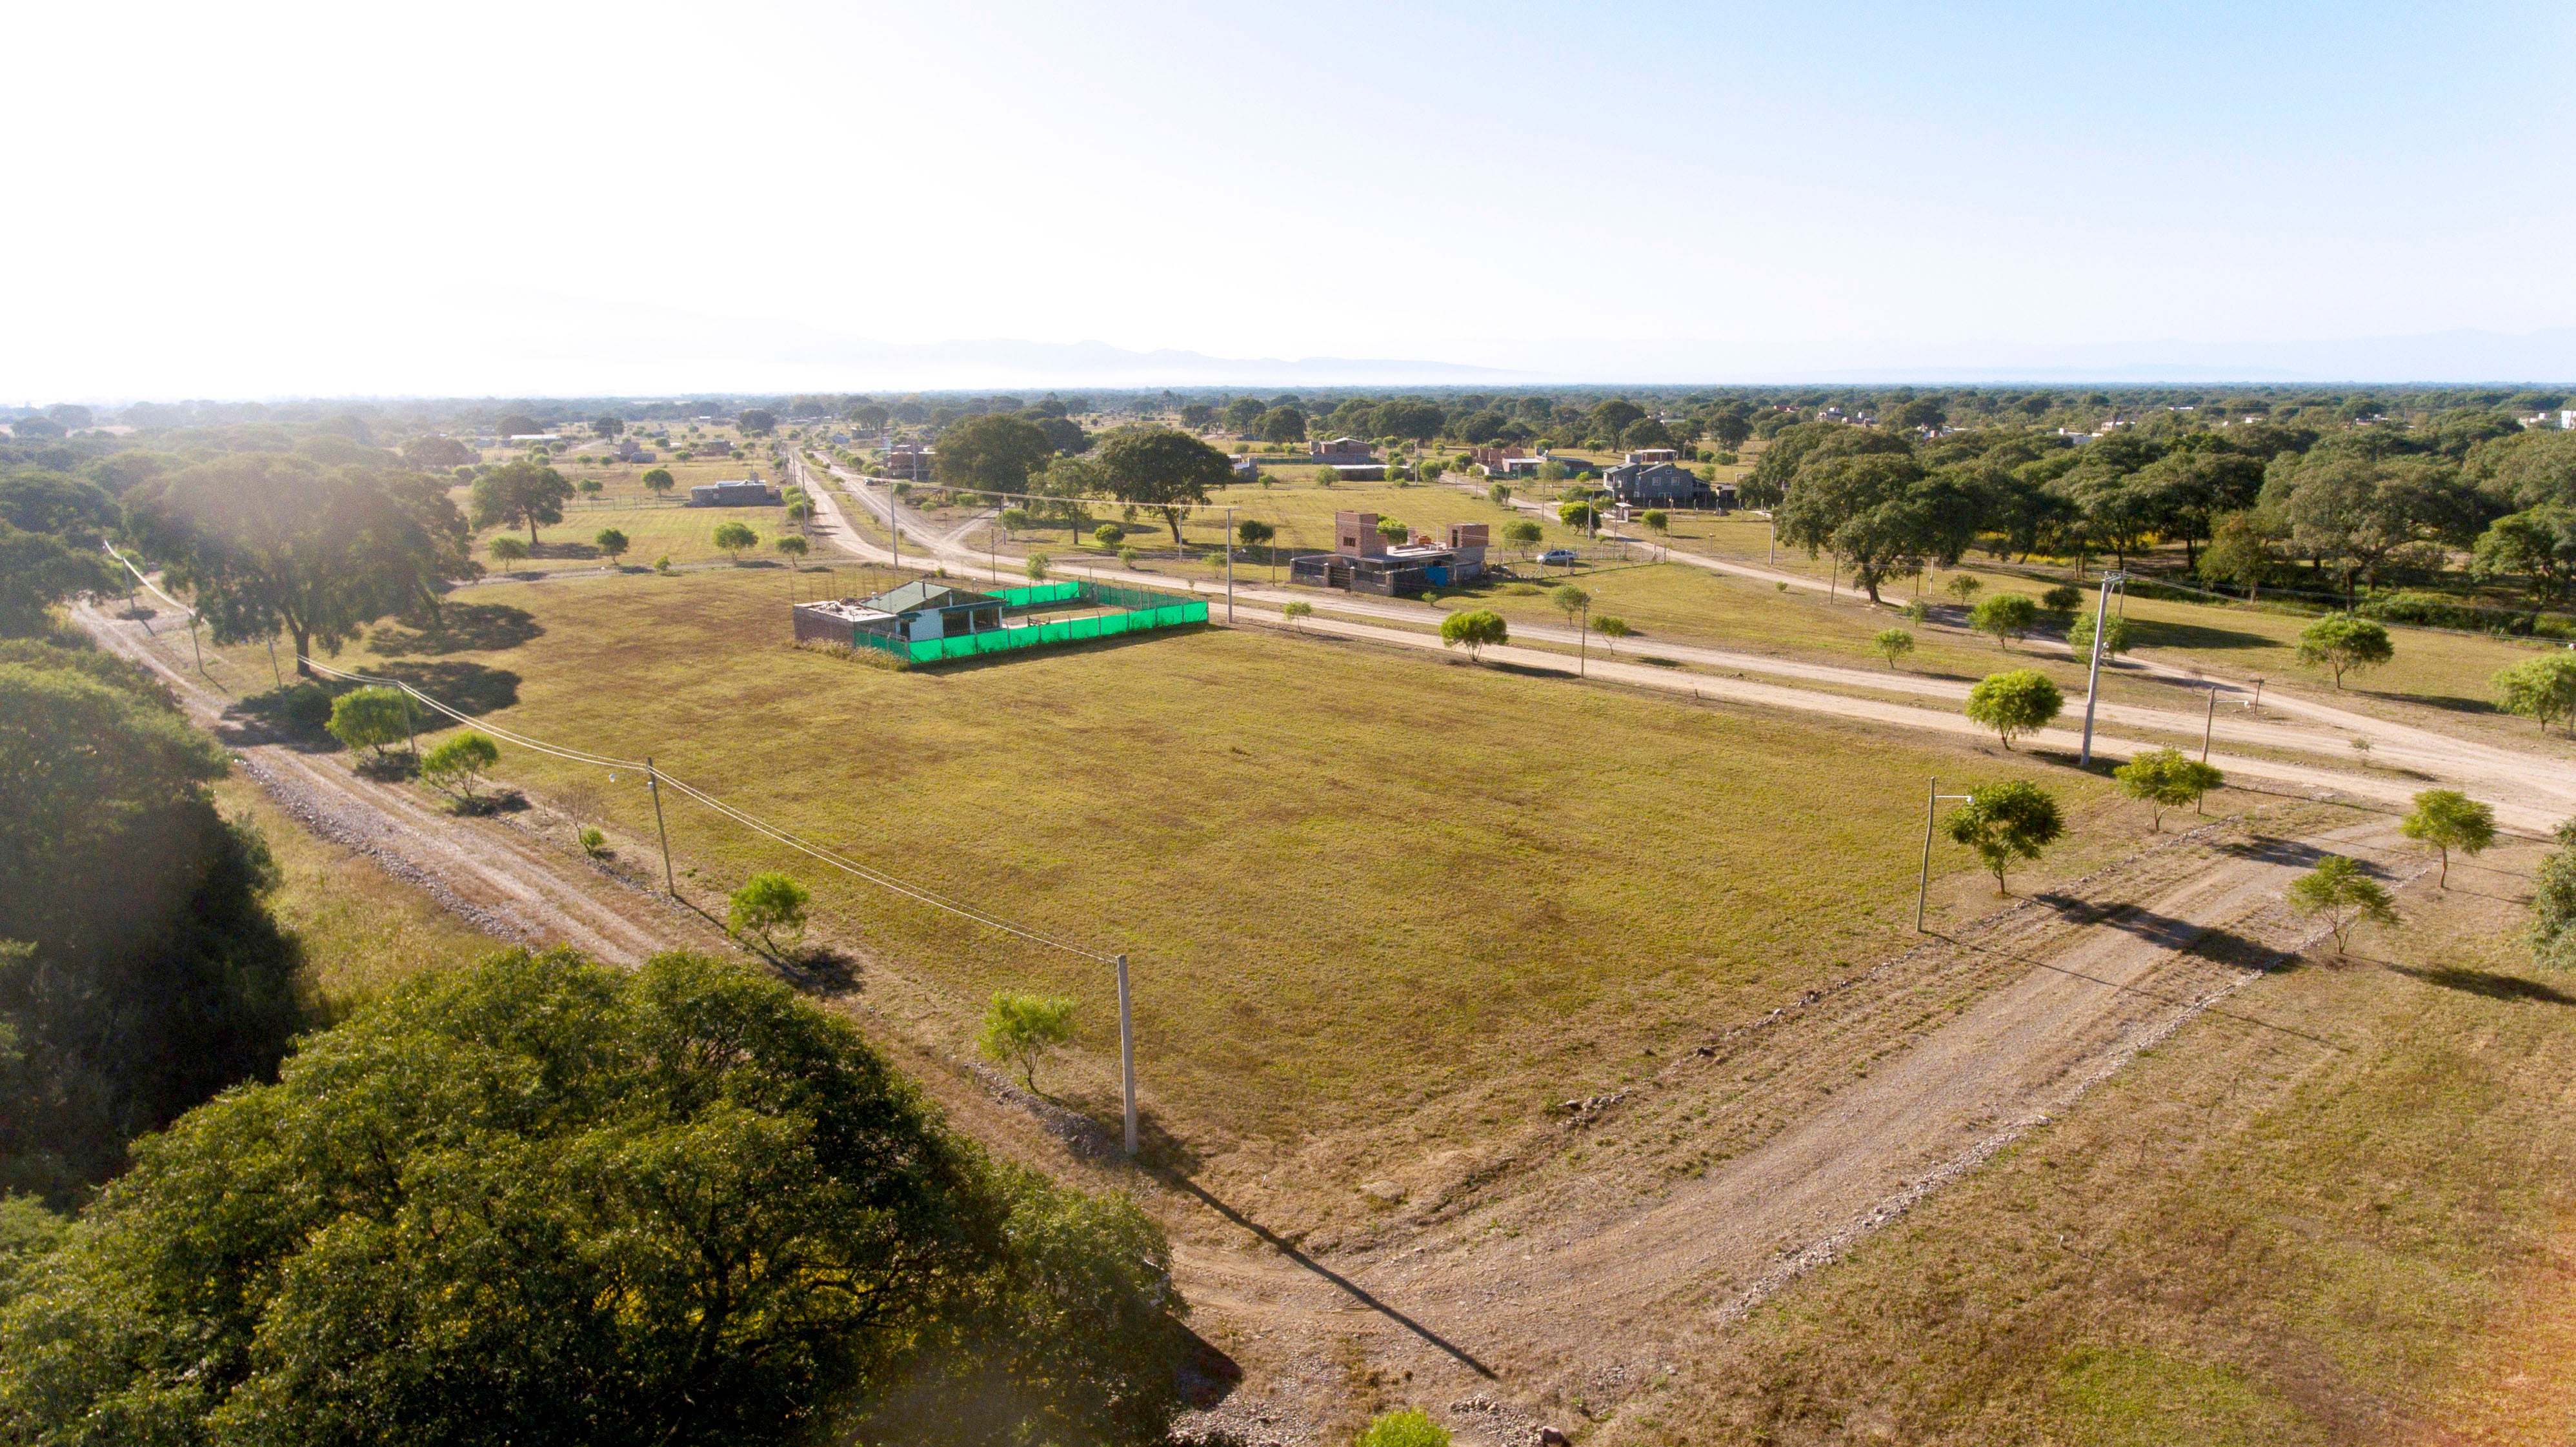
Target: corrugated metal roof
[[923, 594]]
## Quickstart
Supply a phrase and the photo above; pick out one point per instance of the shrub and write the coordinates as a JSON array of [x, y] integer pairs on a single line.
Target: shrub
[[458, 765], [2344, 643], [1127, 557], [593, 843], [2115, 635], [507, 549], [1895, 643], [2064, 598], [1037, 567], [768, 904], [1109, 535], [1405, 1429], [2018, 702], [2006, 615], [2539, 689], [662, 565], [371, 719], [2344, 894], [1475, 630], [1963, 587], [2004, 822], [611, 543], [1019, 1029]]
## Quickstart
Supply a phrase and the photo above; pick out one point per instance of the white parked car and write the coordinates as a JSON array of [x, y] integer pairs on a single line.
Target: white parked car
[[1557, 558]]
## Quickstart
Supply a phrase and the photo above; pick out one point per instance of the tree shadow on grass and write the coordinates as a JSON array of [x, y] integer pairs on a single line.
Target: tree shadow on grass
[[1531, 670], [2451, 703], [461, 628], [563, 550], [2153, 634], [2491, 986], [468, 688]]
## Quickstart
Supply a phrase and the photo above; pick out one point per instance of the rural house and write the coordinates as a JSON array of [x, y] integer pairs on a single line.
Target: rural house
[[1362, 560], [741, 492]]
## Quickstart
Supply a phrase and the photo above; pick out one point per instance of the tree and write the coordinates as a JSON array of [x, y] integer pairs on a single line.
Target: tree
[[611, 543], [1037, 566], [1412, 419], [735, 539], [35, 572], [1242, 415], [793, 547], [1656, 520], [755, 422], [1475, 630], [371, 718], [458, 765], [2006, 615], [2166, 779], [2014, 703], [1015, 520], [2537, 545], [2448, 819], [1164, 470], [674, 1205], [140, 969], [2539, 689], [270, 541], [1895, 643], [658, 481], [2345, 644], [767, 904], [1612, 628], [2344, 894], [1282, 424], [1018, 1029], [1963, 587], [2552, 926], [517, 424], [607, 424], [519, 493], [1294, 611], [994, 453], [1253, 532], [1523, 534], [2004, 822], [1569, 600], [1393, 530], [507, 549], [2115, 635]]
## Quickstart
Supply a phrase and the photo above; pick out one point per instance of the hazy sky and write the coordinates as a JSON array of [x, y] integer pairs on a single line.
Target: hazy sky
[[258, 199]]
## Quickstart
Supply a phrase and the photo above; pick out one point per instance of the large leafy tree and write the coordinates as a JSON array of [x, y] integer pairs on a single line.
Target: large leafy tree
[[520, 494], [271, 541], [145, 973], [2537, 545], [36, 570], [1168, 471], [993, 453], [547, 1200]]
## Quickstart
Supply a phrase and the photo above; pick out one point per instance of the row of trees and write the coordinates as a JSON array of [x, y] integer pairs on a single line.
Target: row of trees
[[1157, 468], [2357, 505]]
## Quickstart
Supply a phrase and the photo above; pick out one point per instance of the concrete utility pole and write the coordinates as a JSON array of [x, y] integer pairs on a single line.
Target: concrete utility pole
[[2210, 725], [1127, 1053], [653, 781], [1229, 565], [1923, 888], [2093, 678]]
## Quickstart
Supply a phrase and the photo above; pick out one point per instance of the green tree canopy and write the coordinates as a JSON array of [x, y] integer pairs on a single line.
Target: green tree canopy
[[2537, 545], [459, 763], [2344, 643], [1020, 1029], [735, 538], [994, 453], [766, 905], [37, 571], [2343, 892], [2006, 615], [546, 1200], [2166, 779], [2448, 819], [519, 494], [2116, 635], [2539, 689], [1894, 642], [371, 718], [1164, 470], [2004, 822], [146, 973], [271, 541], [612, 544], [2020, 701], [1475, 630], [658, 480]]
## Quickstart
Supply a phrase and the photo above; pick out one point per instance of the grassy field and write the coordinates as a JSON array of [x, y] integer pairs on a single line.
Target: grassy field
[[2341, 1213], [362, 929], [1347, 877]]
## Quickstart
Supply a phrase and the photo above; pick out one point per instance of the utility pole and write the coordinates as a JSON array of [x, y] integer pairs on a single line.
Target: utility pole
[[653, 781], [1773, 556], [2210, 725], [1229, 566], [1583, 644], [2093, 677], [411, 731], [1127, 1053], [1923, 888]]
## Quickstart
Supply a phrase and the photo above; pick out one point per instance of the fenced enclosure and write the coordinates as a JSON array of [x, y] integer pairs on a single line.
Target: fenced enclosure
[[1118, 610]]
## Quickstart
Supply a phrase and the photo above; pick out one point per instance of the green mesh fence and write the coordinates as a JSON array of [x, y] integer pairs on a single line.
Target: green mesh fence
[[1141, 610]]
